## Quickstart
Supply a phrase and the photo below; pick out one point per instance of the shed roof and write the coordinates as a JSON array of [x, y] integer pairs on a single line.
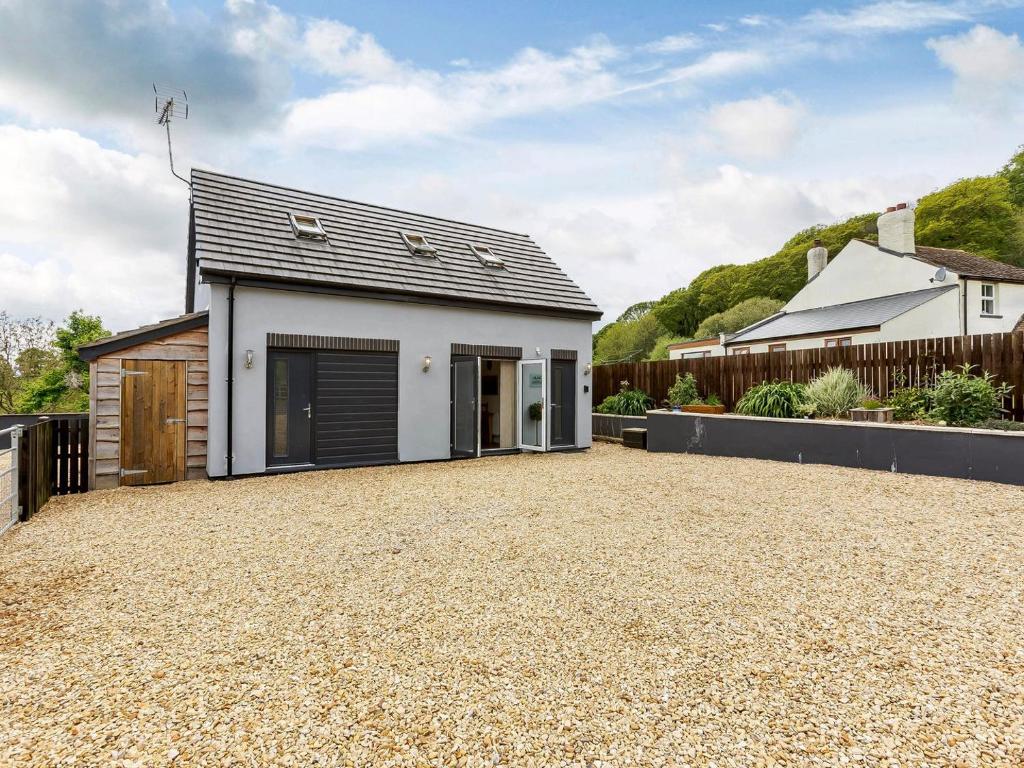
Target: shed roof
[[142, 334], [866, 313], [242, 230]]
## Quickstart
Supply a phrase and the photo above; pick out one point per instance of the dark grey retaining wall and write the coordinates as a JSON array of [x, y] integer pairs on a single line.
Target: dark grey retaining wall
[[941, 451], [27, 420], [610, 425]]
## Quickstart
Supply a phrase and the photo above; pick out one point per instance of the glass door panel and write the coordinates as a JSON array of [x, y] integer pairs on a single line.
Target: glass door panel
[[465, 421], [289, 408], [532, 405], [563, 402]]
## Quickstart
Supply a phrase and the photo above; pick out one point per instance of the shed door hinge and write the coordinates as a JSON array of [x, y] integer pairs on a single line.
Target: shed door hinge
[[126, 372], [126, 472]]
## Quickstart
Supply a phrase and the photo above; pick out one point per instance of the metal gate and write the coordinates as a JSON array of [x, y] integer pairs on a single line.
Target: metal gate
[[10, 508]]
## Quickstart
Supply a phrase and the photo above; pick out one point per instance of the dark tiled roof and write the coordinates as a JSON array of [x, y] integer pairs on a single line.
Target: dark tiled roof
[[866, 313], [968, 265], [142, 334], [242, 229]]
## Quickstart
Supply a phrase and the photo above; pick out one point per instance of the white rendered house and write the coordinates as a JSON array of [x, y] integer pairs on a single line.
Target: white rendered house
[[890, 291]]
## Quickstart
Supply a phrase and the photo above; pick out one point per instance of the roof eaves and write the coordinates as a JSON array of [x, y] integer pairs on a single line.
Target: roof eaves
[[94, 349]]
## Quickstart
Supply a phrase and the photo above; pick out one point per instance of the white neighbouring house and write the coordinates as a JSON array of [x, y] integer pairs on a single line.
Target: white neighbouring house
[[888, 291]]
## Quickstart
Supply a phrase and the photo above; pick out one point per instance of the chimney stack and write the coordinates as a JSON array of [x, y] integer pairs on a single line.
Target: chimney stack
[[896, 229], [817, 260]]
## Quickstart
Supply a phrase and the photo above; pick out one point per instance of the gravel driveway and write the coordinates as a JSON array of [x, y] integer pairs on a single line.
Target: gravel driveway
[[603, 608]]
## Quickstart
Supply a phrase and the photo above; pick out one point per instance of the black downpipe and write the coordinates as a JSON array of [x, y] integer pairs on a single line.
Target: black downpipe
[[231, 362], [965, 306]]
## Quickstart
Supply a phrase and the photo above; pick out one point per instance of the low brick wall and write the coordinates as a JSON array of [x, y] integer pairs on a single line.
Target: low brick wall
[[974, 454], [611, 426]]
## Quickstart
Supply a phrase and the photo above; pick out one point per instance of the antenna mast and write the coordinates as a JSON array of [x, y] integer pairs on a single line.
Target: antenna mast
[[171, 103]]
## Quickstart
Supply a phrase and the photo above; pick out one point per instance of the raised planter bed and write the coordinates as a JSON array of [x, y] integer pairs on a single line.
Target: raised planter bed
[[977, 454], [609, 426]]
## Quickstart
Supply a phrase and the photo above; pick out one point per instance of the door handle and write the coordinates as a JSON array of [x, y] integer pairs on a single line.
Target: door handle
[[174, 421], [309, 411]]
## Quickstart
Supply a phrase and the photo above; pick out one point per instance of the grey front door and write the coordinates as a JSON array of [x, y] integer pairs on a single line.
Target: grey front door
[[563, 402], [465, 419], [289, 408]]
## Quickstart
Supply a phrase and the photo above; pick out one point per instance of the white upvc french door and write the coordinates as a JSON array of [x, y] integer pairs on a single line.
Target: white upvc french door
[[532, 390]]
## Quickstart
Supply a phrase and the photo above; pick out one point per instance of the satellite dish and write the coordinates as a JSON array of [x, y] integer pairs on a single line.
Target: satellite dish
[[940, 275]]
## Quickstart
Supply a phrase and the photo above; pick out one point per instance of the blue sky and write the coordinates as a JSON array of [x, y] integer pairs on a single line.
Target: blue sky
[[638, 145]]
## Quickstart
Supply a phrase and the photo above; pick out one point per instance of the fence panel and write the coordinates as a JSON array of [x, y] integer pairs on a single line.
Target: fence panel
[[881, 366], [53, 459]]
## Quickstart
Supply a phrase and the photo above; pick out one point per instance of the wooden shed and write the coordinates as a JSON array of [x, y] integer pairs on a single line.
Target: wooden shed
[[148, 403]]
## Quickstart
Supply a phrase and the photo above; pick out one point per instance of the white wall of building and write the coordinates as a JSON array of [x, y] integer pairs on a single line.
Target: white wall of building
[[422, 329], [938, 317], [861, 271], [1009, 308], [813, 342]]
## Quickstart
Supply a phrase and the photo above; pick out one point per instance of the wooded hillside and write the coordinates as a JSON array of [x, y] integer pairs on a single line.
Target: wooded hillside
[[983, 215]]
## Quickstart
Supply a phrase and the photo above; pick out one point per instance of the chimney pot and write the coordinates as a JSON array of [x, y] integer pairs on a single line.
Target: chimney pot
[[900, 206], [890, 209], [817, 259]]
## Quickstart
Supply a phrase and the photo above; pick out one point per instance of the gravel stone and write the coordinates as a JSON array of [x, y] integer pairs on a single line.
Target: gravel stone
[[606, 608]]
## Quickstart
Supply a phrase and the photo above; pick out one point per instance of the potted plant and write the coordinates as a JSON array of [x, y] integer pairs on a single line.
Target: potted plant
[[536, 412], [872, 410]]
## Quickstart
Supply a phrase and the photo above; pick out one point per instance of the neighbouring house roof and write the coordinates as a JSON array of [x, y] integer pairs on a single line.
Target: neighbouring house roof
[[867, 313], [708, 341], [142, 334], [964, 264], [242, 229]]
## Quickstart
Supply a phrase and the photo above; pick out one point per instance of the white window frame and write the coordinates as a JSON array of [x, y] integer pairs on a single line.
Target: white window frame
[[487, 256], [307, 227], [422, 248], [838, 342], [740, 351], [776, 347], [992, 300]]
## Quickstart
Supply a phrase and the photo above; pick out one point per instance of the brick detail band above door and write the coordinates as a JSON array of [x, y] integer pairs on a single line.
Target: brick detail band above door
[[334, 343], [488, 350], [563, 354]]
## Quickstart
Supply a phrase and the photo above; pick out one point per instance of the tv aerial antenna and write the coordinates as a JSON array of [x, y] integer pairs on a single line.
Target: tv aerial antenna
[[171, 104]]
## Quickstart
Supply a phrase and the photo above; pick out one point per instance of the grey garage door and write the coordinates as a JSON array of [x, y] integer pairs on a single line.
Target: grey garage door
[[356, 414]]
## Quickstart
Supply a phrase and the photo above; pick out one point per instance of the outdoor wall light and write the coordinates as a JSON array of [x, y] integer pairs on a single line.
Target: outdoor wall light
[[587, 369], [248, 358], [426, 363]]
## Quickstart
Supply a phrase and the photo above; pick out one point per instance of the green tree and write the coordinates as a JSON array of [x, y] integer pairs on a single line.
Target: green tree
[[974, 215], [1013, 172], [17, 364], [65, 385], [740, 316], [636, 311], [660, 349], [630, 340]]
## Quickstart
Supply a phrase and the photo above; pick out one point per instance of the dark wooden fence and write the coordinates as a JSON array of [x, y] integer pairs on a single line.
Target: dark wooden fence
[[53, 460], [880, 366]]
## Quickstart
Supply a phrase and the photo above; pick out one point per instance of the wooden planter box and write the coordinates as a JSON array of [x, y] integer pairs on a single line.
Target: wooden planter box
[[717, 409], [877, 415]]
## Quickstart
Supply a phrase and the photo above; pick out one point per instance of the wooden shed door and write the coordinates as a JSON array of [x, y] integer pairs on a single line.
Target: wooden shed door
[[152, 421]]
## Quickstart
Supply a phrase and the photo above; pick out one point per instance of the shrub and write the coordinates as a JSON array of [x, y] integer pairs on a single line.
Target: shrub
[[871, 405], [963, 399], [777, 399], [835, 392], [910, 403], [1002, 424], [712, 399], [684, 391], [627, 402]]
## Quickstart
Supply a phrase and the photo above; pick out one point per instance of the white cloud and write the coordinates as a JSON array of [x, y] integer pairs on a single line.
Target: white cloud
[[84, 226], [754, 20], [764, 127], [673, 44], [988, 66], [888, 16], [340, 50]]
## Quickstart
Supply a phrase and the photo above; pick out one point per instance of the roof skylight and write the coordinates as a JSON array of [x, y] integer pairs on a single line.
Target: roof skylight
[[487, 256], [418, 244], [307, 227]]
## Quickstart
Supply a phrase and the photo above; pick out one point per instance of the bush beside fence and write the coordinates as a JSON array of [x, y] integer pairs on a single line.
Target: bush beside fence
[[878, 366]]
